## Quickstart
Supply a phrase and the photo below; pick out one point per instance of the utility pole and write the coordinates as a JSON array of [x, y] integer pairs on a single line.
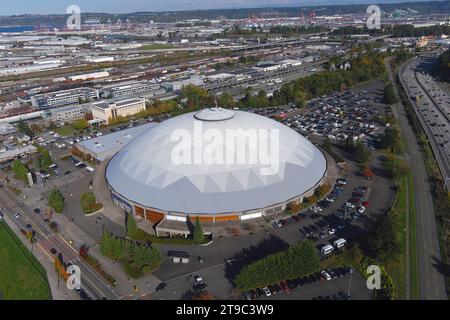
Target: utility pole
[[350, 284]]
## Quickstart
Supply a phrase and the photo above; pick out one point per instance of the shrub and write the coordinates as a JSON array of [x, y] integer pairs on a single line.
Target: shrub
[[89, 204]]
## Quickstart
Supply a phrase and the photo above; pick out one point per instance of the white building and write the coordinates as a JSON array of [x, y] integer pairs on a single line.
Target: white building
[[106, 111], [67, 113]]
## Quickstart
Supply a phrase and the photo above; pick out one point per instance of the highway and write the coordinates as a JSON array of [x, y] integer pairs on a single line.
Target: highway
[[47, 239], [431, 281], [433, 113]]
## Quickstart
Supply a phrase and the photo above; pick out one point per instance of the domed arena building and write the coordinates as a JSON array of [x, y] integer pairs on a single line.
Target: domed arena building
[[217, 164]]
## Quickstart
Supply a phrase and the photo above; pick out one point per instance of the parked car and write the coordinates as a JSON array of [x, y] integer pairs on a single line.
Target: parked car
[[285, 287], [325, 275], [267, 291], [161, 286]]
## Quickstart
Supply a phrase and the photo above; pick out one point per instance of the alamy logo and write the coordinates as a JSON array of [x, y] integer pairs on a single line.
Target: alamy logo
[[74, 279], [374, 280], [374, 20], [74, 20], [237, 146]]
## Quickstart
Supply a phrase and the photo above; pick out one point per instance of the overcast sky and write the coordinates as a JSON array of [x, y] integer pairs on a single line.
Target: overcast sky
[[9, 7]]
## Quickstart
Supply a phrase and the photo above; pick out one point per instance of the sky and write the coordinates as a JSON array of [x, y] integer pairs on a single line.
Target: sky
[[9, 7]]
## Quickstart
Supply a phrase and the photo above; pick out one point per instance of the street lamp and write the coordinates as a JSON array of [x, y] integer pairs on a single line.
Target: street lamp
[[350, 283], [98, 221]]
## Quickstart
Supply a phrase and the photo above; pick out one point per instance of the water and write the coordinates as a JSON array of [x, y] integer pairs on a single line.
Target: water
[[16, 29]]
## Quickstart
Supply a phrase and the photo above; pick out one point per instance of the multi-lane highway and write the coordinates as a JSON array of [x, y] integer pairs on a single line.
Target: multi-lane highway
[[431, 280], [431, 104], [47, 239]]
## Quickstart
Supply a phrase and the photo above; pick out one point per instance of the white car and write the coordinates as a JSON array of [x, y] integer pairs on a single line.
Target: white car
[[329, 199], [350, 205], [361, 209], [17, 215], [326, 275], [267, 291], [278, 223], [331, 231]]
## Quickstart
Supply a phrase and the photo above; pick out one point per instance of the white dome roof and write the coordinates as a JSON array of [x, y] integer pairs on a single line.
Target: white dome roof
[[145, 171]]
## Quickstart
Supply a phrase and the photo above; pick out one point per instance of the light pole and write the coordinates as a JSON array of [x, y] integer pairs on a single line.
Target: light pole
[[350, 284], [98, 221]]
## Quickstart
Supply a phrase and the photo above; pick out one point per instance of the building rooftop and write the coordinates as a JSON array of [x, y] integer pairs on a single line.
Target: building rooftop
[[107, 145]]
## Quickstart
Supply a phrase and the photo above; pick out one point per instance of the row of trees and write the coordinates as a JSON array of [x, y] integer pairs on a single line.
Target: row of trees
[[389, 96], [444, 65], [136, 258], [363, 68], [298, 260], [359, 151]]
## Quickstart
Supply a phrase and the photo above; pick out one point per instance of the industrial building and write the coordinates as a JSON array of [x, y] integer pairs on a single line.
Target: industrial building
[[106, 111], [67, 113], [132, 88], [105, 146], [63, 98]]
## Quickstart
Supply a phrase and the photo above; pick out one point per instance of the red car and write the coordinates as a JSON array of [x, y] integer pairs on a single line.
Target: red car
[[285, 287], [365, 204]]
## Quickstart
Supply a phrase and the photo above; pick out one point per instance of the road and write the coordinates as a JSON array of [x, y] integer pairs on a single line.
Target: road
[[431, 112], [47, 239], [431, 280]]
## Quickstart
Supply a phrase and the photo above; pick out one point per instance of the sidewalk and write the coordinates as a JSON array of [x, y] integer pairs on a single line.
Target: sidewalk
[[76, 237]]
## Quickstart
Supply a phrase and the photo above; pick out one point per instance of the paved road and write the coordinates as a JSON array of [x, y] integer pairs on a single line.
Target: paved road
[[431, 280], [430, 110], [47, 239]]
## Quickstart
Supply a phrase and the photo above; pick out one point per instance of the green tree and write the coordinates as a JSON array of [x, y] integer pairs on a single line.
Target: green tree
[[20, 170], [132, 229], [25, 129], [56, 200], [44, 159], [390, 138], [362, 155], [225, 100], [81, 124], [199, 236], [117, 249], [298, 260], [196, 97], [389, 94], [107, 244], [383, 243]]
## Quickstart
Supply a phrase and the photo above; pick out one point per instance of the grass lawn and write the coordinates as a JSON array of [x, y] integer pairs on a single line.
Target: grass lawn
[[21, 276], [413, 268], [397, 267], [67, 130]]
